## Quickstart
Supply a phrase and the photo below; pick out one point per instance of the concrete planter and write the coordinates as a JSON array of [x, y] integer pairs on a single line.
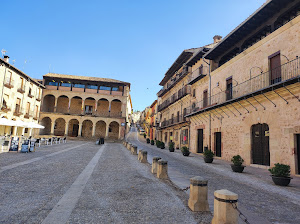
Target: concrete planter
[[208, 160], [281, 181], [237, 169]]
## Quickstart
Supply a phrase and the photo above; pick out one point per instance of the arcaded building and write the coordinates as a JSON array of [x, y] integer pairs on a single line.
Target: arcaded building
[[249, 103], [85, 106]]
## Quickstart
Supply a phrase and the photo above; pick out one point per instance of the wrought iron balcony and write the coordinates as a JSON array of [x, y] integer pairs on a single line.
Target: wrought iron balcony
[[173, 121], [9, 83], [264, 82], [21, 89], [175, 97]]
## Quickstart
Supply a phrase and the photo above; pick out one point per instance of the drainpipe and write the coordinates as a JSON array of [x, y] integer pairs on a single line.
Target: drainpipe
[[209, 101]]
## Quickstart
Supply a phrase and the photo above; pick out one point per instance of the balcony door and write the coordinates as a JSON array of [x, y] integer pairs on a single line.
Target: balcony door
[[275, 68], [229, 88]]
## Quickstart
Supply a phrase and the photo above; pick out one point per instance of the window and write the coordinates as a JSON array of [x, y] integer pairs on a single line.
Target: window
[[36, 111], [229, 88], [194, 92], [18, 104], [88, 109], [8, 78], [205, 98], [92, 87], [27, 108], [115, 89], [105, 88], [184, 139], [21, 83], [52, 83], [76, 85]]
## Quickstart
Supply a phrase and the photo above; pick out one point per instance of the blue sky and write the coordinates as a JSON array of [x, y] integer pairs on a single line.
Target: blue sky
[[134, 41]]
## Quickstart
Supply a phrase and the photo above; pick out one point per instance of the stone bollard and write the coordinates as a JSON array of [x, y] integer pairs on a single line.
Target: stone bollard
[[143, 158], [155, 164], [134, 150], [129, 146], [162, 169], [223, 209], [140, 155], [198, 195]]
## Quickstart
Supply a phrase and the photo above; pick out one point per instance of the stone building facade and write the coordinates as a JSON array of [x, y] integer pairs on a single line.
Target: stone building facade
[[20, 99], [85, 106], [253, 108]]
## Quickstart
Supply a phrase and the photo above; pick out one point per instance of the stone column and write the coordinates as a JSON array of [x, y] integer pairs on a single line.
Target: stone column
[[162, 170], [66, 129], [107, 130], [223, 209], [94, 130], [155, 164], [55, 103], [198, 195], [52, 127], [79, 129], [120, 131]]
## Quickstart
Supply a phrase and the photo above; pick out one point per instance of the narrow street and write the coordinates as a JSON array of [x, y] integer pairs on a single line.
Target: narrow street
[[80, 182], [259, 199]]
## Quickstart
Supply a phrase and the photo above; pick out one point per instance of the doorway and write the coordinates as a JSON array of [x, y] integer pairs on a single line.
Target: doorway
[[275, 68], [260, 144], [75, 130], [298, 152], [218, 144], [200, 141]]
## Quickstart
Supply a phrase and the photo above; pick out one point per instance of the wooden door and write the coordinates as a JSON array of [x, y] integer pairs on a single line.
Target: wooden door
[[205, 98], [260, 144], [200, 141], [218, 142], [275, 69]]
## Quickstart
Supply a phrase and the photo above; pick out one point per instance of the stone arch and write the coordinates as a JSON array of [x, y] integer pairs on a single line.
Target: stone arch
[[46, 122], [73, 127], [100, 130], [89, 105], [103, 107], [48, 103], [87, 129], [113, 131], [59, 127], [116, 108], [62, 104], [76, 104]]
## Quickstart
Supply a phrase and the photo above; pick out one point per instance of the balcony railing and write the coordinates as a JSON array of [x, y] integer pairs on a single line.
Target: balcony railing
[[173, 121], [197, 74], [271, 78], [9, 83], [17, 111], [5, 108], [21, 89], [175, 97]]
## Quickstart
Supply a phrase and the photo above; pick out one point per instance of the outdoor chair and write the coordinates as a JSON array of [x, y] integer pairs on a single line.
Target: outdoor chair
[[64, 139], [49, 141], [38, 142]]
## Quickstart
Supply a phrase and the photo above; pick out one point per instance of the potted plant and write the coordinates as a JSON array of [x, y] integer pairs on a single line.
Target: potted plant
[[152, 142], [208, 156], [158, 143], [237, 164], [185, 151], [148, 140], [281, 174], [162, 145], [171, 146], [144, 135]]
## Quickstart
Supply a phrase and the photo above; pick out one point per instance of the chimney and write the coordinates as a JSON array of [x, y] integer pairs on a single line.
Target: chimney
[[217, 38], [6, 58]]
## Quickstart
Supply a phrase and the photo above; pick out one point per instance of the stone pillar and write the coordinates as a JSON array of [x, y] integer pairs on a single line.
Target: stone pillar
[[144, 157], [129, 146], [82, 107], [55, 104], [52, 127], [162, 169], [66, 129], [198, 195], [69, 105], [15, 130], [107, 130], [93, 130], [134, 150], [29, 131], [155, 164], [120, 130], [80, 129], [223, 209], [23, 131]]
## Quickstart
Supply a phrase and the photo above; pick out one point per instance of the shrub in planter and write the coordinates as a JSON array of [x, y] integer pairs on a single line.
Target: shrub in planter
[[144, 135], [185, 151], [171, 146], [281, 174], [158, 143], [162, 145], [208, 156], [152, 142], [237, 164], [148, 140]]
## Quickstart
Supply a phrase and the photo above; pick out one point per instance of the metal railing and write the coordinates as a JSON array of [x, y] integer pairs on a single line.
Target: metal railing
[[201, 71], [270, 78], [177, 96], [173, 121]]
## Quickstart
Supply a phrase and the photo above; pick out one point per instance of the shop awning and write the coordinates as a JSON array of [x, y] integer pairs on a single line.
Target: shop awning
[[19, 123]]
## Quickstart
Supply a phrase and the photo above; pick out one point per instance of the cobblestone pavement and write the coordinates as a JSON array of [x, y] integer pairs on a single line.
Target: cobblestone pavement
[[80, 182], [259, 199]]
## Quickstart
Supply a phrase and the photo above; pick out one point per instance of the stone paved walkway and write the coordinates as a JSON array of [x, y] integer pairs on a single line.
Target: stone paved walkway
[[80, 182], [261, 200]]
